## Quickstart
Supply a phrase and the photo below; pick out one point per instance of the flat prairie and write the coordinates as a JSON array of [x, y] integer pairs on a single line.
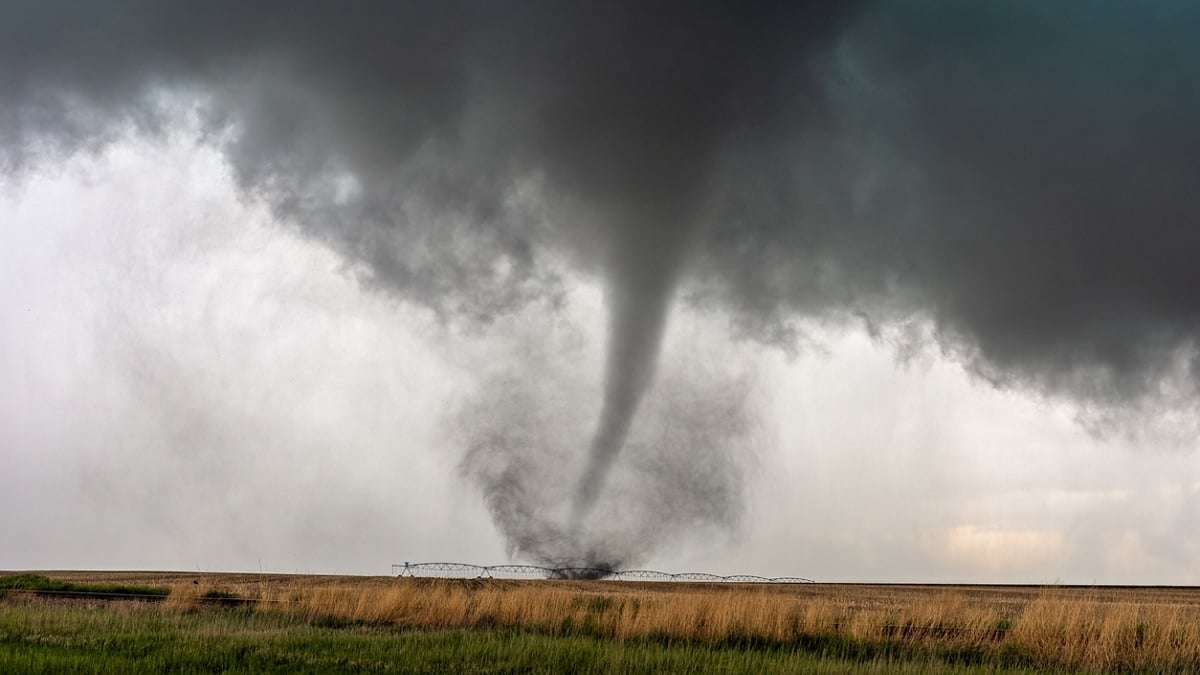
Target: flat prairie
[[1102, 628]]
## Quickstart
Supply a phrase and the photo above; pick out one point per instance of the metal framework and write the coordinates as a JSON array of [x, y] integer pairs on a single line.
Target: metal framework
[[468, 571]]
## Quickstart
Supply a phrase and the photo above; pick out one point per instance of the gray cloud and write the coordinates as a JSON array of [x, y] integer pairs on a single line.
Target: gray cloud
[[1018, 175], [1021, 174]]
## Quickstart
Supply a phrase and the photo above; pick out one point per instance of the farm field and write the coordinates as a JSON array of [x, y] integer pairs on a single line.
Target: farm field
[[293, 623]]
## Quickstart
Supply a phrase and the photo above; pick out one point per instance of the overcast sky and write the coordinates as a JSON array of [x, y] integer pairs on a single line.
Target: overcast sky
[[897, 292]]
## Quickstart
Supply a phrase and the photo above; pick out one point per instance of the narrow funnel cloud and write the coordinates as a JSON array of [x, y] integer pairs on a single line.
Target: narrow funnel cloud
[[639, 299]]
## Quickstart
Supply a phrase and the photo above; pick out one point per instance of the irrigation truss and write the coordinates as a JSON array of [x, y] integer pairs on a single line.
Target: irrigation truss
[[450, 570]]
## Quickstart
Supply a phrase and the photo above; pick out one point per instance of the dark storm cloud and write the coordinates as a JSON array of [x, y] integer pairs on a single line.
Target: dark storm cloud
[[1019, 174], [1023, 174], [445, 117]]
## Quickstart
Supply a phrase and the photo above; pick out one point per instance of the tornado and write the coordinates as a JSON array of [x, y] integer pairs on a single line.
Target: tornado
[[639, 298]]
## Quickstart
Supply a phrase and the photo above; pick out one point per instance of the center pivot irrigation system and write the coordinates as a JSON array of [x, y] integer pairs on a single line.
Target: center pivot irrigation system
[[450, 570]]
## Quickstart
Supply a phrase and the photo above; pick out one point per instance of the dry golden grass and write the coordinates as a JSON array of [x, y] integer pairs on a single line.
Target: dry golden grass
[[1055, 627]]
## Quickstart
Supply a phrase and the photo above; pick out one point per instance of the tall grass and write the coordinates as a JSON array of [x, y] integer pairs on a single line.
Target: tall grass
[[155, 639], [1056, 629], [1151, 630], [1086, 632]]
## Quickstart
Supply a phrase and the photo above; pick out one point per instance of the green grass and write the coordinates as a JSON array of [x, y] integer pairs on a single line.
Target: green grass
[[36, 637], [37, 582]]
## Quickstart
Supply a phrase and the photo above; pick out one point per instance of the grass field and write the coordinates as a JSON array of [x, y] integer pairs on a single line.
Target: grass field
[[252, 623]]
